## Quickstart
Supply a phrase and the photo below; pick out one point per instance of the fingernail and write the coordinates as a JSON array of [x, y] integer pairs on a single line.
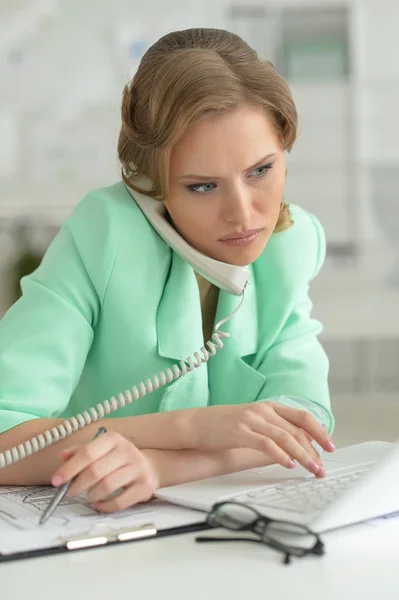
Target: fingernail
[[331, 446], [57, 480], [291, 464], [314, 467], [321, 472]]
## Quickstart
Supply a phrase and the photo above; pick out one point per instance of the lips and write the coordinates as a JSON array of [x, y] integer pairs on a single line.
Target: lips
[[241, 239], [240, 236]]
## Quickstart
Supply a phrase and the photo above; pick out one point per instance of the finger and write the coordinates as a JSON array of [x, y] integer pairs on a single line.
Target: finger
[[307, 422], [292, 447], [285, 442], [97, 470], [125, 476], [301, 436], [268, 446], [73, 448], [259, 424], [84, 457], [304, 439], [140, 491], [68, 452]]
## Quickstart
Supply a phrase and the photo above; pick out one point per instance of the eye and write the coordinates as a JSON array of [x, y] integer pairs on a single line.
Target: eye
[[262, 170], [201, 188]]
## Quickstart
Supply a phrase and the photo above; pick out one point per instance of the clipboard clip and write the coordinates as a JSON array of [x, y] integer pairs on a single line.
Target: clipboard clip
[[91, 539]]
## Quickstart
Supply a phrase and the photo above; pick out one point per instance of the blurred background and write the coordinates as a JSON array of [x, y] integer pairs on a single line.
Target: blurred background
[[63, 65]]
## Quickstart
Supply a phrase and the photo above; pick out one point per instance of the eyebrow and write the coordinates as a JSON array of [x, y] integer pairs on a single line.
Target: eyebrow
[[208, 177]]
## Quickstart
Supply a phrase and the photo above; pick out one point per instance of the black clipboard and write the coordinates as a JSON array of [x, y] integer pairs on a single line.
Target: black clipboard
[[91, 542]]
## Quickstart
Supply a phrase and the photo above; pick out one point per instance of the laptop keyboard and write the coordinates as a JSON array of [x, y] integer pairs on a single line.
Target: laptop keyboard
[[303, 497]]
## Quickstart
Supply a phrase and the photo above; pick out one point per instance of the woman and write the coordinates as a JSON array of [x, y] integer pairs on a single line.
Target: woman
[[207, 123]]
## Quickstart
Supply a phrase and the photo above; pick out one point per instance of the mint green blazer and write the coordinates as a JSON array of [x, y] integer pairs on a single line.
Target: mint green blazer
[[112, 304]]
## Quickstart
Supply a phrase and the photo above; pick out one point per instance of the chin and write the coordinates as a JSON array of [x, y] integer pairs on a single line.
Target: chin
[[243, 261], [241, 257]]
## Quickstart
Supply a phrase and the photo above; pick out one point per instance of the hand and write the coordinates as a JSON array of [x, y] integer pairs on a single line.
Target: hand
[[105, 465], [281, 432]]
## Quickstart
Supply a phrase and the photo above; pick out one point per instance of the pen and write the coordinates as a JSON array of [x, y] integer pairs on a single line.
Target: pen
[[63, 490]]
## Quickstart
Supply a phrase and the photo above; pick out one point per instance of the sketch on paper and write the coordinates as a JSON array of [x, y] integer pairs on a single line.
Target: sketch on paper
[[22, 506]]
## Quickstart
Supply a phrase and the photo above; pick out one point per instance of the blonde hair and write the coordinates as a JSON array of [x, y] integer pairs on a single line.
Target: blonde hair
[[183, 76]]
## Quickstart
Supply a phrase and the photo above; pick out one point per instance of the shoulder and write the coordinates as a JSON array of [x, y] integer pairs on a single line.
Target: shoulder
[[297, 254], [104, 211], [103, 221], [106, 214]]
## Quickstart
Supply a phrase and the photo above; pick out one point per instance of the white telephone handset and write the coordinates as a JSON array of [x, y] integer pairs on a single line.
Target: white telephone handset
[[227, 277]]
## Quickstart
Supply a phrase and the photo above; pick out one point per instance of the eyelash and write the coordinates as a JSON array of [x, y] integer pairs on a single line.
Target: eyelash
[[193, 187]]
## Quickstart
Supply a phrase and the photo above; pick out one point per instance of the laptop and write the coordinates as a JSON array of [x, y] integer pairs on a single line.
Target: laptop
[[361, 483]]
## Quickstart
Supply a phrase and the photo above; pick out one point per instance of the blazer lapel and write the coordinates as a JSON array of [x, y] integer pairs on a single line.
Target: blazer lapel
[[179, 333], [231, 379], [227, 378], [179, 322]]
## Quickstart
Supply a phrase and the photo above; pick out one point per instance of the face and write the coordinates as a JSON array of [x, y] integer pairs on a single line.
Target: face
[[227, 176]]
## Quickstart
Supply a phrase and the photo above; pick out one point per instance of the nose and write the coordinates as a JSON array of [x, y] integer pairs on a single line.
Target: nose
[[237, 207]]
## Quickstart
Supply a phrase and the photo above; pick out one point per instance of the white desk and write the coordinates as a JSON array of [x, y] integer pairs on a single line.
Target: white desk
[[360, 563]]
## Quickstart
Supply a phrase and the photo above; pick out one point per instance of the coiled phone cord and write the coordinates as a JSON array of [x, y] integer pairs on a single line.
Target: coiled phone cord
[[69, 426]]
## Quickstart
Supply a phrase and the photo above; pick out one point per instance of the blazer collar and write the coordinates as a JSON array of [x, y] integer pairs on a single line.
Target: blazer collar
[[241, 383], [243, 326], [227, 379], [179, 319]]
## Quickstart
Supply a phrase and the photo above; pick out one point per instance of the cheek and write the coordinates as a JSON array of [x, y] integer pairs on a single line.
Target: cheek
[[197, 214], [192, 219], [269, 202], [277, 184]]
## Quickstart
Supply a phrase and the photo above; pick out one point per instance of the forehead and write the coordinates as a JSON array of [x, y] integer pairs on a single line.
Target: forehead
[[234, 139]]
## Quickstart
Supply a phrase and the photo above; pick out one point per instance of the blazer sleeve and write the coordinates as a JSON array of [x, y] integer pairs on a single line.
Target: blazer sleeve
[[296, 365], [46, 335]]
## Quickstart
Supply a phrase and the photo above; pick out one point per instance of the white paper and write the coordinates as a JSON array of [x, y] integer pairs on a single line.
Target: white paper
[[21, 508]]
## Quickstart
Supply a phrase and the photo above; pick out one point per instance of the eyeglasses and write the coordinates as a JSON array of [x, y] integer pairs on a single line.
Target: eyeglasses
[[290, 538]]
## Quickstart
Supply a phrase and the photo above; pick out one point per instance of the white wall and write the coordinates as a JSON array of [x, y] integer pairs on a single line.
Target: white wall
[[60, 95], [61, 85]]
